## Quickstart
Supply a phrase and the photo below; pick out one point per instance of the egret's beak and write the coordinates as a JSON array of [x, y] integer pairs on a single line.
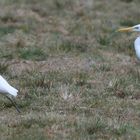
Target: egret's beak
[[125, 29]]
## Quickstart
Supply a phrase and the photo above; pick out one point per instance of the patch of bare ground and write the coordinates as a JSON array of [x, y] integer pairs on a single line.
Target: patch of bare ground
[[63, 64]]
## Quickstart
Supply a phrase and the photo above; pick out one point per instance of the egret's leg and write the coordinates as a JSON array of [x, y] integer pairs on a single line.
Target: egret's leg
[[14, 103]]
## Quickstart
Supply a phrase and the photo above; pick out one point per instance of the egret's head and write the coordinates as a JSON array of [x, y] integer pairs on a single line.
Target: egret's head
[[135, 28]]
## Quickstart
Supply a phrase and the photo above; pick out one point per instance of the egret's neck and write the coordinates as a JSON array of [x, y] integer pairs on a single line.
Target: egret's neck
[[137, 47], [137, 42]]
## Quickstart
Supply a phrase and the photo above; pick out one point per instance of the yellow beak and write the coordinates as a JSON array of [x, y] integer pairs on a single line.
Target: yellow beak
[[125, 29]]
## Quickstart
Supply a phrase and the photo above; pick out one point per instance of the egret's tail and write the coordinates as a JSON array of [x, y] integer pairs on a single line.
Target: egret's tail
[[13, 91]]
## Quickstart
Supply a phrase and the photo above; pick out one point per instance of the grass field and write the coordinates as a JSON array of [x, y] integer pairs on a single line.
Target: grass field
[[78, 79]]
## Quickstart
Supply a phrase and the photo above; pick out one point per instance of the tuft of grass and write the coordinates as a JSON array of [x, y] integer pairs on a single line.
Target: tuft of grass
[[104, 67], [36, 80], [127, 1], [8, 17], [119, 87], [98, 125], [128, 22], [103, 40], [7, 29], [62, 4], [68, 46], [32, 53], [122, 129], [3, 68]]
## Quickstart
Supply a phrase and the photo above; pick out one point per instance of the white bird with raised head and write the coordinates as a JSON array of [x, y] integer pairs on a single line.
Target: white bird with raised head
[[8, 91], [135, 28]]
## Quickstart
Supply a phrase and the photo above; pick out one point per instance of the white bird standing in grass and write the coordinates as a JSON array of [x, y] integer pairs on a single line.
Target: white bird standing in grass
[[8, 91], [135, 28]]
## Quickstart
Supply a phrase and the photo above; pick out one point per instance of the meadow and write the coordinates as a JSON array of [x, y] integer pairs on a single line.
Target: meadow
[[78, 79]]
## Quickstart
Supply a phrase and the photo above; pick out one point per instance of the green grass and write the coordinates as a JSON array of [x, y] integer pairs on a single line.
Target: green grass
[[77, 78], [6, 30], [32, 54]]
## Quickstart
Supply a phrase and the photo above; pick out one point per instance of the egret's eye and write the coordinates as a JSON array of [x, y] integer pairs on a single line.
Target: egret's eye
[[137, 28]]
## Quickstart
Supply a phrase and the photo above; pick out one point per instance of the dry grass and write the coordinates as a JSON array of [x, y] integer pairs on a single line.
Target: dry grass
[[78, 79]]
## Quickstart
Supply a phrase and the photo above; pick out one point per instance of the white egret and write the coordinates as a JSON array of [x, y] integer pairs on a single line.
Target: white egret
[[135, 28], [8, 91]]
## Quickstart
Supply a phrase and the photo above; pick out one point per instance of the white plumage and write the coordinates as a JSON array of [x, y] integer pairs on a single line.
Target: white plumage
[[5, 88], [137, 47]]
